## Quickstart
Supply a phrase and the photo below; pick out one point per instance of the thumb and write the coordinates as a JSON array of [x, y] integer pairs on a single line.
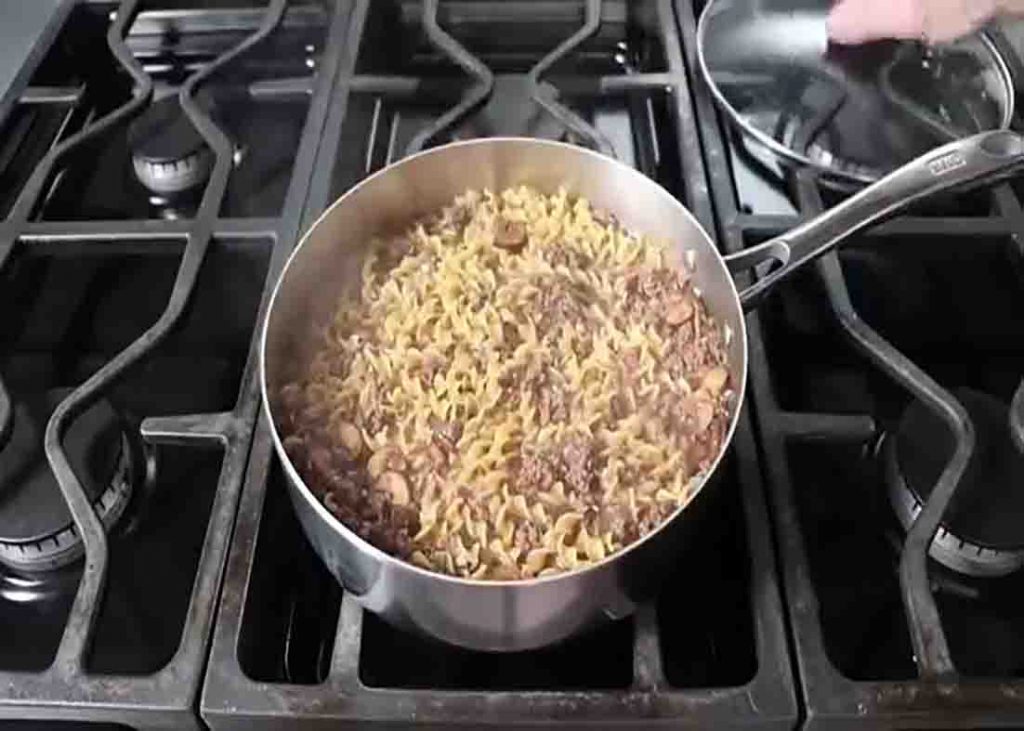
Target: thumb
[[859, 21]]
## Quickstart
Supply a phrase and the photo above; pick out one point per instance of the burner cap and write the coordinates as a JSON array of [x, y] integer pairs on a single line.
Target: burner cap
[[511, 112], [36, 530], [168, 153], [980, 533]]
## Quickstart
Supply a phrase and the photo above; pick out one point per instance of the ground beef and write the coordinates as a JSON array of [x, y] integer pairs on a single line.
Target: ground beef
[[391, 253], [556, 306], [534, 474], [526, 536], [353, 457], [576, 462], [449, 432], [548, 392], [655, 291], [571, 463], [569, 258]]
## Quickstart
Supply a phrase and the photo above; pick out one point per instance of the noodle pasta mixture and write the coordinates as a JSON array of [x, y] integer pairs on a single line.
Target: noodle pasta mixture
[[523, 388]]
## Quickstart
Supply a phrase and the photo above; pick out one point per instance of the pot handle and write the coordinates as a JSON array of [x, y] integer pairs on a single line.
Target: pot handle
[[980, 158]]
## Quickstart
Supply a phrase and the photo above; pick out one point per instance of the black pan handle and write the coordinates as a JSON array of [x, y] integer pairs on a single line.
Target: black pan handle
[[982, 158]]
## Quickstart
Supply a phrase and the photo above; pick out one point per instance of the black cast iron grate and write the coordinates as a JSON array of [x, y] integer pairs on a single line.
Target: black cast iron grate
[[291, 649], [73, 686], [908, 674]]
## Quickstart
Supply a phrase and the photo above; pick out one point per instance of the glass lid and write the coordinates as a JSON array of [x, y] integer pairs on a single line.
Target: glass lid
[[855, 111]]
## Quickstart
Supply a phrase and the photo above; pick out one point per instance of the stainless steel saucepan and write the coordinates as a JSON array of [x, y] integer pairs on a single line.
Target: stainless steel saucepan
[[517, 615]]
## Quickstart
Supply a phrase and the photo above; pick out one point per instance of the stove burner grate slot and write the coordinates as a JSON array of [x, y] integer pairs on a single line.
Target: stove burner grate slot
[[41, 175], [87, 523], [931, 649], [470, 63], [96, 695], [549, 101], [82, 619]]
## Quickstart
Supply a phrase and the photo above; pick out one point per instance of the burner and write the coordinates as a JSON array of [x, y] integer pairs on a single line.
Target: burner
[[168, 153], [980, 534], [511, 111], [39, 586], [36, 531]]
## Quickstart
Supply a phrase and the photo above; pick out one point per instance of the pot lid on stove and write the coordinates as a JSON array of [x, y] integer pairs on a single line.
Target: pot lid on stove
[[857, 112]]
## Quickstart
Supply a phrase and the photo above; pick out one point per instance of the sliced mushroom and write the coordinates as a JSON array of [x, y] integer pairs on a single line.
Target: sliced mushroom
[[705, 414], [382, 460], [603, 217], [350, 438], [437, 457], [714, 380], [395, 484], [697, 454], [509, 235], [678, 311]]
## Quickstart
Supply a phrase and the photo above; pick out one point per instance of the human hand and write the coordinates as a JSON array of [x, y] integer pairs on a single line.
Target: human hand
[[934, 21]]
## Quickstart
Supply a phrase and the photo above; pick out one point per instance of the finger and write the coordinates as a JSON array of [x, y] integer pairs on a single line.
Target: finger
[[954, 18], [859, 21]]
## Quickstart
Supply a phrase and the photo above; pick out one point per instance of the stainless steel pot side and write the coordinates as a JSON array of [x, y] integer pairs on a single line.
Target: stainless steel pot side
[[518, 615]]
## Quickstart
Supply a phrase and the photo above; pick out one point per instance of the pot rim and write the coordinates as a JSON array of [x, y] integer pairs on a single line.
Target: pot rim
[[739, 390]]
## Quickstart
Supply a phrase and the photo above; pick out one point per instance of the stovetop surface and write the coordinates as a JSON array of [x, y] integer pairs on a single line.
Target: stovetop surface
[[207, 605], [951, 304], [708, 648], [82, 312], [129, 319], [925, 307]]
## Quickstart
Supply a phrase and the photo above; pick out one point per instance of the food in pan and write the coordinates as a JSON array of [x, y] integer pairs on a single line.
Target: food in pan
[[522, 388]]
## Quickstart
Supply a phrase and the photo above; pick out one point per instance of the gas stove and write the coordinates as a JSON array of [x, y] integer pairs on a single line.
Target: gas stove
[[888, 387], [143, 216], [158, 164], [290, 647]]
